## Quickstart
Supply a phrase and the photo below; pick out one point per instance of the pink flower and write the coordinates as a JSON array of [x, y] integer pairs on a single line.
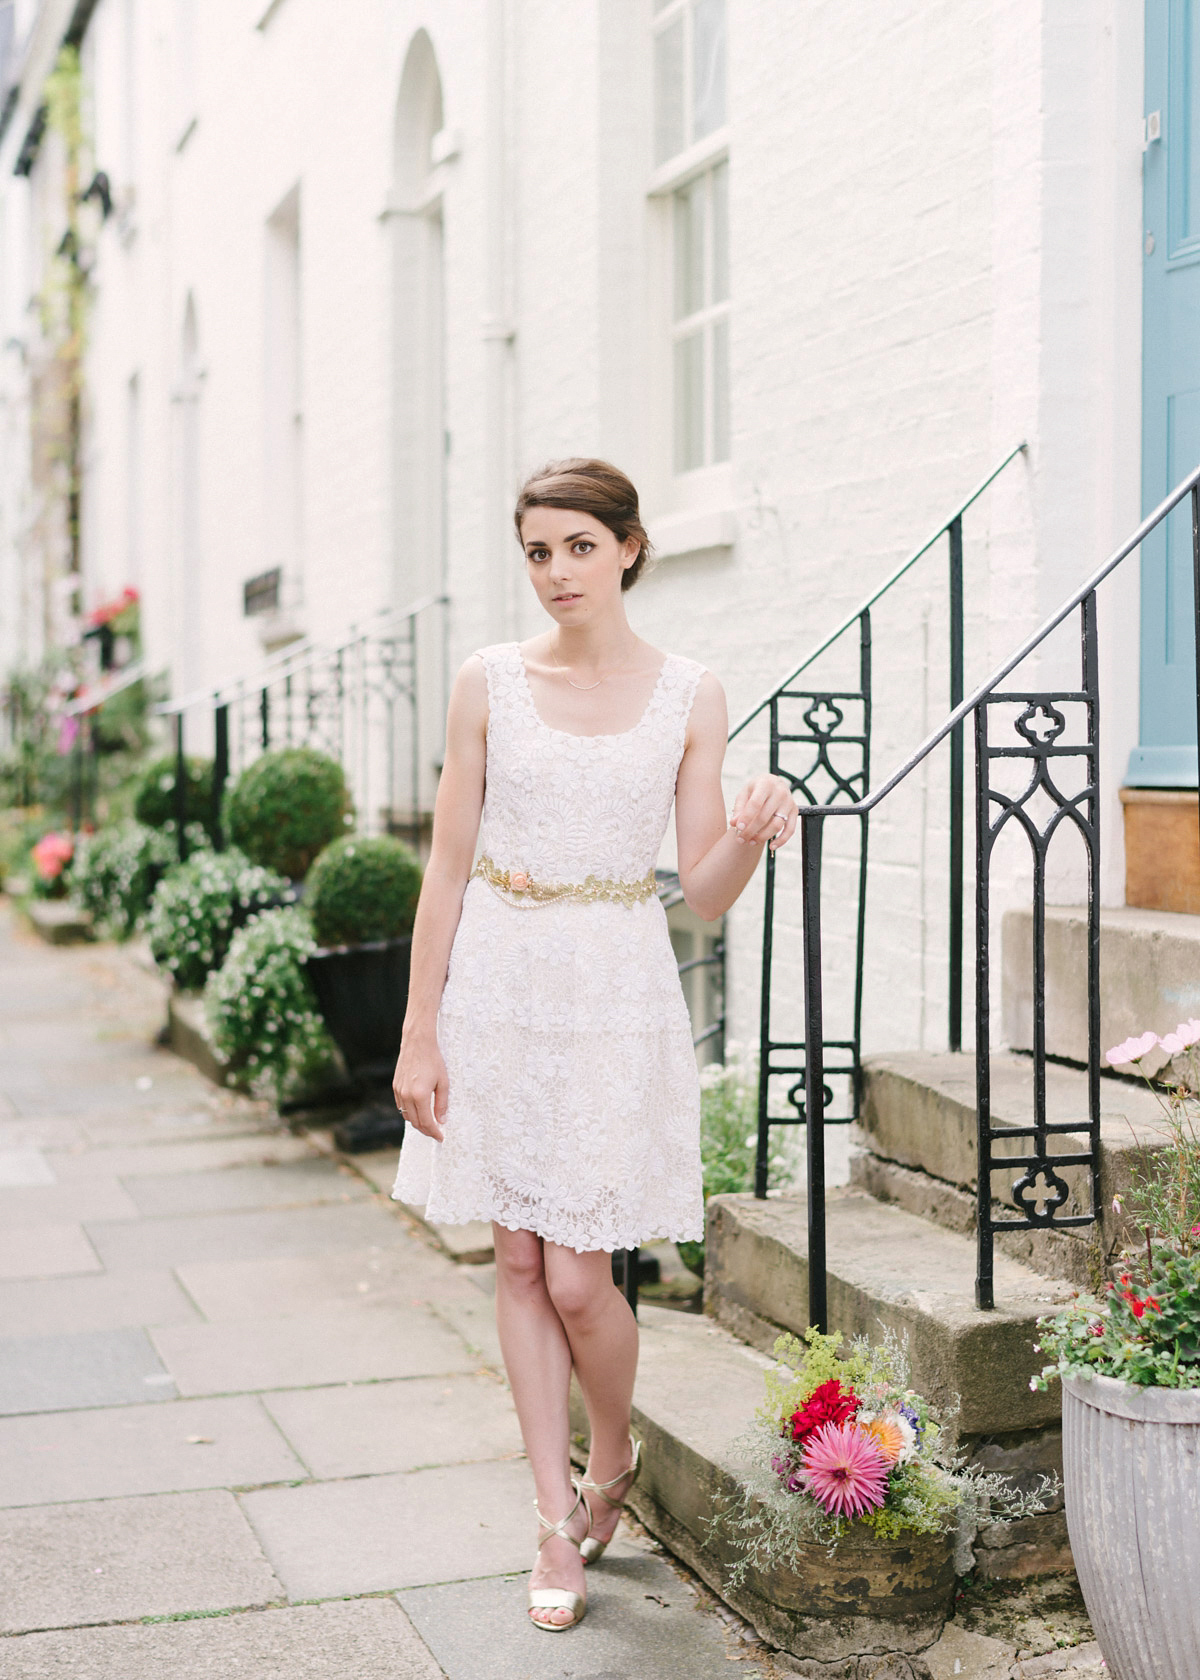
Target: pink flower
[[51, 855], [1173, 1044], [1132, 1050], [845, 1471]]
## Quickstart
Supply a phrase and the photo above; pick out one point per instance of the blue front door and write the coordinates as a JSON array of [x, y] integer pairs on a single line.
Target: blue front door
[[1166, 754]]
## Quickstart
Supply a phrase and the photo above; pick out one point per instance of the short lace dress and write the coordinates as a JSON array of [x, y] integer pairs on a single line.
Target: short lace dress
[[574, 1098]]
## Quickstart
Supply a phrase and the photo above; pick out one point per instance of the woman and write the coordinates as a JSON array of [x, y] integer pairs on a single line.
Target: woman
[[547, 1074]]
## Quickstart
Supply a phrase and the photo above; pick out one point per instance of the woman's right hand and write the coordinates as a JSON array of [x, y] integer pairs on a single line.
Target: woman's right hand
[[420, 1085]]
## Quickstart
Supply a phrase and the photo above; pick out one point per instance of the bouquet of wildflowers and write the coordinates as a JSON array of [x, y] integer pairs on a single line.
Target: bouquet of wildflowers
[[842, 1440], [1146, 1328]]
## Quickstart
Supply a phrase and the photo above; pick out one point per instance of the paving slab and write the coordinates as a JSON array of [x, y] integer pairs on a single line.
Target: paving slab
[[176, 1152], [51, 1458], [46, 1251], [370, 1640], [374, 1428], [39, 1134], [294, 1184], [115, 1560], [399, 1271], [22, 1167], [961, 1655], [642, 1623], [89, 1368], [104, 1301], [352, 1344], [241, 1236], [380, 1533], [99, 1197]]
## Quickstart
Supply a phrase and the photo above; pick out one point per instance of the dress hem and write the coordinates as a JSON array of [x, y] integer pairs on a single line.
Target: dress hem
[[656, 1234]]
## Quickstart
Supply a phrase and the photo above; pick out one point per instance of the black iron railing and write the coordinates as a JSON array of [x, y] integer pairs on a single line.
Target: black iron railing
[[1051, 728], [820, 740], [359, 700]]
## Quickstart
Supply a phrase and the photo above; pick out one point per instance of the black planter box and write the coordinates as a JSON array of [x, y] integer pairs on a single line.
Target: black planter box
[[363, 993]]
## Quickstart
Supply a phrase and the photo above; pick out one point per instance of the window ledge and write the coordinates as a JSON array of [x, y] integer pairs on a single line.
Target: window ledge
[[690, 533]]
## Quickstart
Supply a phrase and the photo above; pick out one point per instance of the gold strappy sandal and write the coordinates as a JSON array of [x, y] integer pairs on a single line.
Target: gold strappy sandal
[[593, 1550], [558, 1598]]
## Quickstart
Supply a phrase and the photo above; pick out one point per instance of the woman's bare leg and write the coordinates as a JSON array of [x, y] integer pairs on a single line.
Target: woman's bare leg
[[537, 1357], [602, 1335]]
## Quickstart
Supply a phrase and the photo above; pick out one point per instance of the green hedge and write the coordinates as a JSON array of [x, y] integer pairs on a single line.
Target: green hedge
[[286, 807]]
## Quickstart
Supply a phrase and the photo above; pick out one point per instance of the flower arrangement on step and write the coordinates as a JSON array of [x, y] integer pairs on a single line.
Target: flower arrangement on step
[[841, 1442], [1146, 1329]]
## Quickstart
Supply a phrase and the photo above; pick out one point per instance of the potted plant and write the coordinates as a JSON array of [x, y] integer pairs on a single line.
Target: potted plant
[[285, 808], [115, 871], [154, 803], [362, 897], [199, 905], [1130, 1371]]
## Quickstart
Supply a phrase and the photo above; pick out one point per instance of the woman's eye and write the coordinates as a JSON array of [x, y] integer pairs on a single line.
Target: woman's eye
[[584, 547]]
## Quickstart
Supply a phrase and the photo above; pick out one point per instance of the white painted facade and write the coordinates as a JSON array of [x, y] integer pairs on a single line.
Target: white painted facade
[[371, 262]]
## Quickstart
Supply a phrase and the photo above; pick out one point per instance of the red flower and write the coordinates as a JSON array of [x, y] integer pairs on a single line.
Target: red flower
[[1136, 1307], [1152, 1303], [830, 1403]]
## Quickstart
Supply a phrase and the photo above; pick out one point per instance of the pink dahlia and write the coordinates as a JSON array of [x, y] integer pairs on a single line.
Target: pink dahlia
[[845, 1470]]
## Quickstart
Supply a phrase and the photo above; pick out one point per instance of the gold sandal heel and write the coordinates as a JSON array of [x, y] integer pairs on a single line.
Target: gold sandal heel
[[558, 1598], [593, 1550]]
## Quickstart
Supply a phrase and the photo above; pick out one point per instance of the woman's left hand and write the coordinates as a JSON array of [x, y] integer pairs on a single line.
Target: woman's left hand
[[765, 810]]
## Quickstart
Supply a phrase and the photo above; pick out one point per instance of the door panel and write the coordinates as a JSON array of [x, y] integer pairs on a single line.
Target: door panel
[[1166, 754]]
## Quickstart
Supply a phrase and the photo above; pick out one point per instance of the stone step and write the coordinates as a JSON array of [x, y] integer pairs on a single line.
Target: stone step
[[919, 1113], [1149, 976], [888, 1268]]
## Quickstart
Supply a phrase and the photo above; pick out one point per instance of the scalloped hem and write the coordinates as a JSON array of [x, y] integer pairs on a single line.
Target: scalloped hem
[[659, 1233]]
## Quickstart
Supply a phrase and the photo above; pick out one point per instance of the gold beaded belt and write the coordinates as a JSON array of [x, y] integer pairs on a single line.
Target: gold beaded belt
[[522, 889]]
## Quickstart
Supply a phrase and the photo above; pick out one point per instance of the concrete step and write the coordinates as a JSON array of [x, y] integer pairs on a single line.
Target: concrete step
[[888, 1268], [919, 1114], [1149, 976]]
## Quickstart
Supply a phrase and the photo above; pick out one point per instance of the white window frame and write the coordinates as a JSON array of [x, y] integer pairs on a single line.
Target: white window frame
[[710, 484]]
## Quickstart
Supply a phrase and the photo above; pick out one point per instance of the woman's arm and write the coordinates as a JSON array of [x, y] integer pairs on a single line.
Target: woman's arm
[[718, 855], [419, 1085]]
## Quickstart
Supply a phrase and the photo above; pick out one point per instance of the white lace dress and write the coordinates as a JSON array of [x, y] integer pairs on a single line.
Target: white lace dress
[[574, 1100]]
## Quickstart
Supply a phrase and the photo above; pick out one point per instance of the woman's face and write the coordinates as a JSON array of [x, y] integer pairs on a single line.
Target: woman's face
[[575, 563]]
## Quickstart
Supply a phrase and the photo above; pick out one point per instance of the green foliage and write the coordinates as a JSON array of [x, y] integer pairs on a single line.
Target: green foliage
[[114, 873], [729, 1137], [261, 1007], [363, 889], [154, 803], [199, 904], [1165, 1199], [286, 807], [1147, 1331]]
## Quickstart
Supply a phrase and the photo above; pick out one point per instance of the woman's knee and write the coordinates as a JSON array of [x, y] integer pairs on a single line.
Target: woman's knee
[[519, 1259], [579, 1286]]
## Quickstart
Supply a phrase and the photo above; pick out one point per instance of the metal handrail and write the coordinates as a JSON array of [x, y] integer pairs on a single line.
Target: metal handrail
[[1038, 729], [893, 578]]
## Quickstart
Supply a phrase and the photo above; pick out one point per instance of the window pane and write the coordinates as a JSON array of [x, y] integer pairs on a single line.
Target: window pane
[[720, 390], [689, 403], [720, 233], [708, 67], [689, 249], [668, 92]]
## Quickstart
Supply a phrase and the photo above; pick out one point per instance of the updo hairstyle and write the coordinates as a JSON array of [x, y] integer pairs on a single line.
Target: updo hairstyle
[[593, 487]]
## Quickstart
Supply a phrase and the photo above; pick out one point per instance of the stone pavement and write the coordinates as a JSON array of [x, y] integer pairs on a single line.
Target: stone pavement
[[250, 1421]]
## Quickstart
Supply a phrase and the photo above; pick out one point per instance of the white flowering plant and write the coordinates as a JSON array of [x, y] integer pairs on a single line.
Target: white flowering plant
[[115, 871], [1146, 1329], [261, 1008], [198, 906]]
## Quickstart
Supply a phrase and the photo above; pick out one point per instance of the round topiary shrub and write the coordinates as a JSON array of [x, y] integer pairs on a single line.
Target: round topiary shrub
[[154, 803], [114, 873], [286, 807], [260, 1005], [363, 889], [199, 905]]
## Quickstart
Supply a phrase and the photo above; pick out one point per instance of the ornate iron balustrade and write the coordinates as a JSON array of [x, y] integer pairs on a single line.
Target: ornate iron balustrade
[[1034, 738], [358, 700], [820, 740]]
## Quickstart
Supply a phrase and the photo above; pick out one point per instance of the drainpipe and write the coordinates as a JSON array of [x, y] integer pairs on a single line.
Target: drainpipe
[[497, 332]]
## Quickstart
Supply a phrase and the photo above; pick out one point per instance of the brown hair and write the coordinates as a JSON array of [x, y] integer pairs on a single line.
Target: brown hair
[[594, 487]]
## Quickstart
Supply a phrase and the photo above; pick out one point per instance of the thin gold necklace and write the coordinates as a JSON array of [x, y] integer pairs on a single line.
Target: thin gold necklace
[[584, 688]]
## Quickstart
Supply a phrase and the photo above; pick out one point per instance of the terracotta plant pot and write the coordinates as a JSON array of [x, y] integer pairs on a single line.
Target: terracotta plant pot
[[1131, 1467]]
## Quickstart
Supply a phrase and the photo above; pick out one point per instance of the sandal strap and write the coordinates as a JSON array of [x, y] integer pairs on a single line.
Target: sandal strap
[[587, 1485], [560, 1528]]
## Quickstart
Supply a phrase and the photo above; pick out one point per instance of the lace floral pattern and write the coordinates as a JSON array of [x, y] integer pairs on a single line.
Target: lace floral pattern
[[574, 1097]]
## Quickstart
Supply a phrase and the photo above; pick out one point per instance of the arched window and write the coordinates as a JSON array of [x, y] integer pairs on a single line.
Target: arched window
[[415, 217]]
